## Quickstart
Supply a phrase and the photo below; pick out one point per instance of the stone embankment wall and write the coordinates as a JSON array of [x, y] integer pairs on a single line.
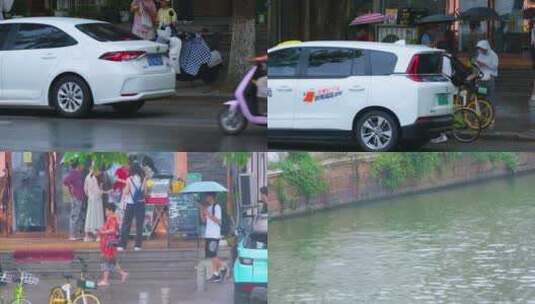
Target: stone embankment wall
[[350, 181]]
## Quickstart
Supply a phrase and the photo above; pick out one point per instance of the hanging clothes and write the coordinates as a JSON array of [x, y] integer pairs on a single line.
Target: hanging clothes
[[195, 52]]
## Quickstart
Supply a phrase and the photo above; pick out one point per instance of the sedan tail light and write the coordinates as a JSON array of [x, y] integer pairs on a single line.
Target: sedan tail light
[[122, 56]]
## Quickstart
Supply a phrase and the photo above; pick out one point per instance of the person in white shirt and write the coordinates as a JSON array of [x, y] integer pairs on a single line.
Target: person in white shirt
[[488, 62], [212, 216]]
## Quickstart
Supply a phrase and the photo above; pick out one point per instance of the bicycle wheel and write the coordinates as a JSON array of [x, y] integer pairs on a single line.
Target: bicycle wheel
[[486, 111], [57, 296], [457, 101], [86, 298], [21, 301], [466, 126]]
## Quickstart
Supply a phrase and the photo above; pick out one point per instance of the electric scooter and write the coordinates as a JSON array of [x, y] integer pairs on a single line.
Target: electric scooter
[[237, 113]]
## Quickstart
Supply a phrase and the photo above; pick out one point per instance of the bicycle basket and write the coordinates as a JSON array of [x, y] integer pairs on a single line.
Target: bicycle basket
[[29, 279], [87, 284]]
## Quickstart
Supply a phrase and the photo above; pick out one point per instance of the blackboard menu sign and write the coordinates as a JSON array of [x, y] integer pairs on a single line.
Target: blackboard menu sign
[[409, 16], [184, 218]]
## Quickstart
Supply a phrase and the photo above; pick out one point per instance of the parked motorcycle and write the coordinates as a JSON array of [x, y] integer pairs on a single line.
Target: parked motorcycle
[[237, 113], [187, 49]]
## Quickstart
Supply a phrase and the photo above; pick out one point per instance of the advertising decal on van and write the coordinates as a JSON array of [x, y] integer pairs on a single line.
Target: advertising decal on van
[[312, 95]]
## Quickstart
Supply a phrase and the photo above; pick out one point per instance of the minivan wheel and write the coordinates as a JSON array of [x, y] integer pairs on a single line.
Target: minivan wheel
[[128, 108], [377, 131], [71, 96]]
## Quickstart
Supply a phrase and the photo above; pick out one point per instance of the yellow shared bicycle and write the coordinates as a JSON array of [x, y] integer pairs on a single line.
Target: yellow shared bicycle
[[67, 294]]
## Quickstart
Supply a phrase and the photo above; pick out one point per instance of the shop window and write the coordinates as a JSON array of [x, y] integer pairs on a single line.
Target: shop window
[[433, 7], [164, 163], [29, 182]]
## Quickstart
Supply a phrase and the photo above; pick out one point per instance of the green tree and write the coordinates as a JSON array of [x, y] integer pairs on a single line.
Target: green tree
[[305, 174], [98, 159]]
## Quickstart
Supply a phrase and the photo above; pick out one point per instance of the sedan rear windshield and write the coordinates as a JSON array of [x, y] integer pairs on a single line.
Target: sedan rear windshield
[[105, 32], [430, 63]]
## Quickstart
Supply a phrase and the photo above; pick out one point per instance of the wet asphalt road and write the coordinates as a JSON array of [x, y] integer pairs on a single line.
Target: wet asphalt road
[[183, 124]]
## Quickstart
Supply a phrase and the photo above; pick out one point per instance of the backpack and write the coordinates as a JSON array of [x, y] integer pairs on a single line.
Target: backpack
[[226, 221], [137, 194]]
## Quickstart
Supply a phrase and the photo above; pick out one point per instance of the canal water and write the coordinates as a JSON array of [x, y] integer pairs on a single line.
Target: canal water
[[474, 244]]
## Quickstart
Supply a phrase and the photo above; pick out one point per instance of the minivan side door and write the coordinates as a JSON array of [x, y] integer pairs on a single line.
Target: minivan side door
[[29, 59], [333, 88], [283, 68]]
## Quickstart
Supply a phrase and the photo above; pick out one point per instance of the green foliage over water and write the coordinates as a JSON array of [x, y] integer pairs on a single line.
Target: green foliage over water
[[303, 173], [393, 169]]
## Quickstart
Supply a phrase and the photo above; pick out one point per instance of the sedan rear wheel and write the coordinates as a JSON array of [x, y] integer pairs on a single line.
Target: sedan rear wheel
[[71, 96], [376, 131]]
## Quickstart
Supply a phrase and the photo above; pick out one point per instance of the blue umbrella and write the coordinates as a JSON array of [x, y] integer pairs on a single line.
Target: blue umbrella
[[204, 187]]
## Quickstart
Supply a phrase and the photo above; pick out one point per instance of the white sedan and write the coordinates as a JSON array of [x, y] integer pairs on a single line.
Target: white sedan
[[74, 64]]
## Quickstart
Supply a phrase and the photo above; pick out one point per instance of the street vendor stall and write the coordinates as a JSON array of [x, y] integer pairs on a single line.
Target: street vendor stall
[[394, 25]]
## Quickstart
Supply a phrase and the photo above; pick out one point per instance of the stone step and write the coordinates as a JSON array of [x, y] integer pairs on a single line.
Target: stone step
[[143, 265]]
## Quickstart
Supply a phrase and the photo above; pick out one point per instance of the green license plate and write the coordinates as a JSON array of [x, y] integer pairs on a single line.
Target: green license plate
[[482, 90], [443, 99]]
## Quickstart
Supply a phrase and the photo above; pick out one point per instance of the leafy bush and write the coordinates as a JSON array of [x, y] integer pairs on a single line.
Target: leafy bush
[[393, 169], [303, 173], [99, 159]]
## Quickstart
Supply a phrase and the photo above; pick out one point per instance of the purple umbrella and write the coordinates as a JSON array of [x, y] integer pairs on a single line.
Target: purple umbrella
[[368, 19]]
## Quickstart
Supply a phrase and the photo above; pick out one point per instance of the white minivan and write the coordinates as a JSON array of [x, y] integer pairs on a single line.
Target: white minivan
[[379, 94]]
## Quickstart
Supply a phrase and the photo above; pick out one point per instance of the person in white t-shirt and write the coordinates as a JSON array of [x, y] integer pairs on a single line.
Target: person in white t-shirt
[[212, 216]]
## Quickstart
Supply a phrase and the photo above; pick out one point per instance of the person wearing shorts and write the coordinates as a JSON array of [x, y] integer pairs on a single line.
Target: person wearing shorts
[[212, 216]]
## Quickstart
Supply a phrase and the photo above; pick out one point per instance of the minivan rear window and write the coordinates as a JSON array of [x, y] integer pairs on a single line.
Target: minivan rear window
[[106, 32], [430, 63]]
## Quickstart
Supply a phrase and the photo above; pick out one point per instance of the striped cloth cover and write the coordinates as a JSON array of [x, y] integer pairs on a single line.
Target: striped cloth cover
[[368, 19]]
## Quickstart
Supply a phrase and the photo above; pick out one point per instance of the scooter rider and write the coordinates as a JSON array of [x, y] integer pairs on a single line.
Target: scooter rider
[[261, 81]]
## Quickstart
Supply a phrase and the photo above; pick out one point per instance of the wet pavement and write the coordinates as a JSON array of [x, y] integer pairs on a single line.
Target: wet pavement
[[130, 292], [179, 124]]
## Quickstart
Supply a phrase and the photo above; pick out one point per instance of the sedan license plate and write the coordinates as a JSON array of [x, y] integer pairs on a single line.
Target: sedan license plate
[[443, 99], [155, 60]]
